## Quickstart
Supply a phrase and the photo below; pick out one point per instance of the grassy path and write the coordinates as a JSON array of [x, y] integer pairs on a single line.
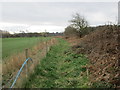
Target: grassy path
[[61, 68]]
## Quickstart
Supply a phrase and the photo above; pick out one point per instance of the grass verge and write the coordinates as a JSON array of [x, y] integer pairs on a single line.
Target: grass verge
[[61, 68]]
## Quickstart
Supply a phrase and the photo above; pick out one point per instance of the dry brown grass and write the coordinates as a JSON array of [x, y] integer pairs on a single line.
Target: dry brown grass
[[11, 66], [102, 48], [0, 73]]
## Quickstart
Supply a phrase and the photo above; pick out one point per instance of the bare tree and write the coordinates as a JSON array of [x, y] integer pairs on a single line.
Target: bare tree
[[79, 22]]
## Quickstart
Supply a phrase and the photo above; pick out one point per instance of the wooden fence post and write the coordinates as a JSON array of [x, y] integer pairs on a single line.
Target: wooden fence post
[[26, 54]]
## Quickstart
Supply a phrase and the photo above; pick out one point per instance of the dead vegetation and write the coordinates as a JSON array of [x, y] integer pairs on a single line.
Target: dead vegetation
[[103, 49]]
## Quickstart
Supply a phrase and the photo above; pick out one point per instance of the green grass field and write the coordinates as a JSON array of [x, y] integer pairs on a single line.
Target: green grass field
[[61, 68], [15, 45]]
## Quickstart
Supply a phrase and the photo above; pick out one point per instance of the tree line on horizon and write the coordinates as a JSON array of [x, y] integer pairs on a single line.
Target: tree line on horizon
[[6, 34]]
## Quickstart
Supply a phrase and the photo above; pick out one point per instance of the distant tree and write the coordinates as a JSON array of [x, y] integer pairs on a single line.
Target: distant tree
[[70, 32], [4, 34], [79, 23]]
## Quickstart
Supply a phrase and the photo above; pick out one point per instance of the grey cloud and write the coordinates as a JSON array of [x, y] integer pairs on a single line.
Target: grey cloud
[[55, 13]]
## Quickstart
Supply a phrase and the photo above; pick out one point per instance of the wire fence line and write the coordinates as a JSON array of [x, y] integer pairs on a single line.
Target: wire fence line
[[14, 79]]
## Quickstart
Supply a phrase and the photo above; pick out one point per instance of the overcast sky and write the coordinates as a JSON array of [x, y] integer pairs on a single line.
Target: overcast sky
[[53, 16]]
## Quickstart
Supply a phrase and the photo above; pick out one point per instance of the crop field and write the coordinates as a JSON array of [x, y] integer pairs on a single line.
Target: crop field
[[15, 45]]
